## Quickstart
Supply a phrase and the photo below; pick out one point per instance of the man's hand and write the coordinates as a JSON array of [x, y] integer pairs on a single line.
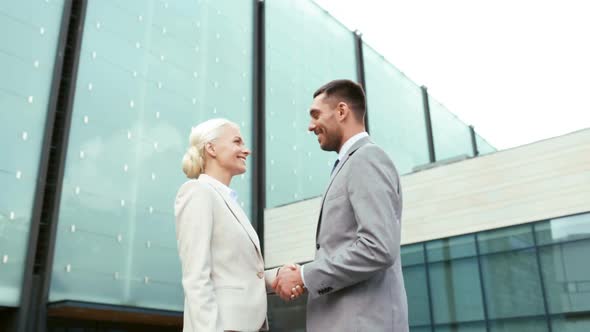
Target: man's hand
[[288, 284]]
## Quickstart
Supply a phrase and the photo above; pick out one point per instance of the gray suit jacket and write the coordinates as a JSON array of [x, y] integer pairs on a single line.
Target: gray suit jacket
[[355, 282]]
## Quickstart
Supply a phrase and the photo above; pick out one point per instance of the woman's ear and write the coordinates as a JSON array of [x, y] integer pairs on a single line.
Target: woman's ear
[[210, 150]]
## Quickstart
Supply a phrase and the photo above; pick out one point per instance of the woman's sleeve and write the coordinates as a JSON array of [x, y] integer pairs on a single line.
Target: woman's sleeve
[[269, 278]]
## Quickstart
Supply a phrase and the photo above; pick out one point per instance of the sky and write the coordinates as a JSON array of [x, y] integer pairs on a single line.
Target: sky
[[517, 70]]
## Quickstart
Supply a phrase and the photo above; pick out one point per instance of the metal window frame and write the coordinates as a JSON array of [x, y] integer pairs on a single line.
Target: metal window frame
[[428, 286], [360, 71], [474, 147], [481, 284], [541, 278], [32, 313], [259, 122], [428, 122]]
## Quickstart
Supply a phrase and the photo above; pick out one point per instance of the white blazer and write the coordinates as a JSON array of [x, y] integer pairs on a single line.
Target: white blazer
[[223, 273]]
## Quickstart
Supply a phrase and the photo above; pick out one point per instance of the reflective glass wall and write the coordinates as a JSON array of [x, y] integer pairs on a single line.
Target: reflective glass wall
[[148, 72], [522, 278], [396, 112], [29, 31], [305, 48], [451, 136], [483, 147], [526, 278]]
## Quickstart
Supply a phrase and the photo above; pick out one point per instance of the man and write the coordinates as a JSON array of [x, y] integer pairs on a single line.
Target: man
[[355, 282]]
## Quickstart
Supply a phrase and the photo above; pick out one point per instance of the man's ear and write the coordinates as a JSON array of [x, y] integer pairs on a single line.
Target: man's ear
[[342, 110], [210, 150]]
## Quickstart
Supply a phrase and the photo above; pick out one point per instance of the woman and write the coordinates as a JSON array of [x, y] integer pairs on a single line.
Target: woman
[[222, 268]]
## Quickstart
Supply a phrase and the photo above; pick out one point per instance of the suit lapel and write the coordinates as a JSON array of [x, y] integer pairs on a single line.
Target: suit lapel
[[352, 150], [240, 217]]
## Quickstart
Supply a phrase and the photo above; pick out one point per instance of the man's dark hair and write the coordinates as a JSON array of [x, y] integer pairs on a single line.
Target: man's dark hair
[[349, 92]]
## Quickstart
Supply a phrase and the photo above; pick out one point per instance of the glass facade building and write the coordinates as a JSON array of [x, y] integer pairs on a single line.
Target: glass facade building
[[87, 219]]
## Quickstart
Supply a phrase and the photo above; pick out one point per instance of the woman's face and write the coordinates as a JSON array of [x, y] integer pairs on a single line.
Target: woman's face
[[230, 151]]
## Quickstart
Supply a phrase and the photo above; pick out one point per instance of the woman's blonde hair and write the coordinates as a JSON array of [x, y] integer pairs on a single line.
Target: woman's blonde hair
[[193, 162]]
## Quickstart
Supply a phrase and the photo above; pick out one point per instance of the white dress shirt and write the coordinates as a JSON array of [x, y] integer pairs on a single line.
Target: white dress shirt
[[350, 142], [229, 191]]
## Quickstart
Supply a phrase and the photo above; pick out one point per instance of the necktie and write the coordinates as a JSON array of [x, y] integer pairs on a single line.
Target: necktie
[[334, 167]]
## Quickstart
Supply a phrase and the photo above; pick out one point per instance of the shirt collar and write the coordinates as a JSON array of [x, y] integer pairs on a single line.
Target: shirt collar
[[213, 181], [350, 142]]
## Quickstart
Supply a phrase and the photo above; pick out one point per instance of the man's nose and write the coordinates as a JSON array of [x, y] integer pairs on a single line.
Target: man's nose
[[311, 126], [247, 151]]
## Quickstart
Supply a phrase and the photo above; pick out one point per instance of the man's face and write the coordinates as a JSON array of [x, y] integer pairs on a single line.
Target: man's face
[[324, 123]]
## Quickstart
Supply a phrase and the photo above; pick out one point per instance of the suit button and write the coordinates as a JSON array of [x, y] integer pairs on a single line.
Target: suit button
[[317, 246], [260, 275]]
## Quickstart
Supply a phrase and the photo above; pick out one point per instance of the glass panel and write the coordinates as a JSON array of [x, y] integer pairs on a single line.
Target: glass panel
[[566, 275], [417, 293], [464, 327], [29, 31], [512, 284], [563, 229], [148, 72], [525, 324], [456, 291], [571, 324], [451, 248], [483, 147], [505, 239], [412, 254], [421, 328], [305, 49], [286, 317], [396, 112], [451, 136]]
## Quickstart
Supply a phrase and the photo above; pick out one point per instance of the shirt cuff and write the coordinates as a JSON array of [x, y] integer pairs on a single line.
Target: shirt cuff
[[302, 277]]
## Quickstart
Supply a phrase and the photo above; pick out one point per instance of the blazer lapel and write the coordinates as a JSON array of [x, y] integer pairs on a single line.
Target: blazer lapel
[[352, 150], [240, 217]]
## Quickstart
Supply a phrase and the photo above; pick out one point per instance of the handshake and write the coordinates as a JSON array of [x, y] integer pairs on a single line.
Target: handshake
[[288, 284]]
